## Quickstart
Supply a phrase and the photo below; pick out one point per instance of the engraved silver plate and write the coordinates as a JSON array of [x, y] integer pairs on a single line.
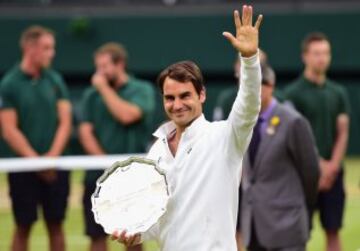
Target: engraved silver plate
[[131, 195]]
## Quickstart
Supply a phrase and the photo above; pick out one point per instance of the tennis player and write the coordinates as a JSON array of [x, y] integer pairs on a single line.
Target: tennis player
[[203, 160]]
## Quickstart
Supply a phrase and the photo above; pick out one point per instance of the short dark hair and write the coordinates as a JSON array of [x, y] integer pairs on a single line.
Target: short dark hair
[[116, 51], [268, 74], [33, 33], [184, 71], [312, 37]]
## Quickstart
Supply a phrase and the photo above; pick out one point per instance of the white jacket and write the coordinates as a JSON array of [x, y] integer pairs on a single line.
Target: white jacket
[[204, 176]]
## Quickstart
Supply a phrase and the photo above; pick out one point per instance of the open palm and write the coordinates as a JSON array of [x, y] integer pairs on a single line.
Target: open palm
[[246, 41]]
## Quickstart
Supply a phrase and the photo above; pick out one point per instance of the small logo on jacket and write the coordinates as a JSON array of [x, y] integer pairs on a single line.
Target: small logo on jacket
[[189, 150]]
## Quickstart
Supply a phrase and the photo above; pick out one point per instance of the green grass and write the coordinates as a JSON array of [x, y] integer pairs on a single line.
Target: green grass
[[77, 241], [75, 238]]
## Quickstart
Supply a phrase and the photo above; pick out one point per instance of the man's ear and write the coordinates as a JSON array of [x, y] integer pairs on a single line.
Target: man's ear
[[202, 96], [303, 57]]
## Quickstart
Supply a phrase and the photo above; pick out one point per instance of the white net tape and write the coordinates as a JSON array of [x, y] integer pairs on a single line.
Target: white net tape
[[62, 163]]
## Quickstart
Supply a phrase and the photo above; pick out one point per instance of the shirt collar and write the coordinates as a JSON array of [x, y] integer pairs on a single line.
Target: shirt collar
[[313, 84], [265, 115], [169, 127], [28, 76]]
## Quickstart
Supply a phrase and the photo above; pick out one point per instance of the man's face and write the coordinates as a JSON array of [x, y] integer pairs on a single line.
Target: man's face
[[182, 104], [318, 56], [42, 51], [104, 65]]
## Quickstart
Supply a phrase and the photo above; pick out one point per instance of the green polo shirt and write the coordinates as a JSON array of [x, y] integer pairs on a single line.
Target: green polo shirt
[[35, 102], [321, 105], [114, 137]]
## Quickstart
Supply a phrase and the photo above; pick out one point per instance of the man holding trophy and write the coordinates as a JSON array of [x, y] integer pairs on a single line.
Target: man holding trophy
[[202, 160]]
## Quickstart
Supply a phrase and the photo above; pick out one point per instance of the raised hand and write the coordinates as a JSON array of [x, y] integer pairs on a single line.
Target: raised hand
[[98, 80], [246, 41]]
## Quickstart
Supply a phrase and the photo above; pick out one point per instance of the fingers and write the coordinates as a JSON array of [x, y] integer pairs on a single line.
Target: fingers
[[326, 181], [115, 235], [131, 240], [229, 37], [122, 237], [134, 240], [250, 15], [237, 20], [324, 186], [48, 176], [246, 18], [119, 236], [126, 239], [258, 21], [243, 14]]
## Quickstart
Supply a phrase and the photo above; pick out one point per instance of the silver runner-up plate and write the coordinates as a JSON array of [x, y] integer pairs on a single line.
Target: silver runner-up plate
[[131, 195]]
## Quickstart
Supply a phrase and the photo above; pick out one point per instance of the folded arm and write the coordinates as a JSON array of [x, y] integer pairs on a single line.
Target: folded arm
[[88, 139], [12, 134], [63, 130], [123, 111]]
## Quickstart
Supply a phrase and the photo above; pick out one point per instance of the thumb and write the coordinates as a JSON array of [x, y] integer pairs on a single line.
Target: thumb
[[230, 37]]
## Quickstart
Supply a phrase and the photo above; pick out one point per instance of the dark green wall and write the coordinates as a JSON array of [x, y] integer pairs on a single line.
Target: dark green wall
[[156, 41]]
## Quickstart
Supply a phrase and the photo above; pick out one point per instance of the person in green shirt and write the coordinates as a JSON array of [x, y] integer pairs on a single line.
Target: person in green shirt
[[35, 117], [116, 118], [325, 104]]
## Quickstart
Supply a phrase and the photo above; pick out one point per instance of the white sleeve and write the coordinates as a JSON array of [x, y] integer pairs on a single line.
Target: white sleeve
[[246, 107]]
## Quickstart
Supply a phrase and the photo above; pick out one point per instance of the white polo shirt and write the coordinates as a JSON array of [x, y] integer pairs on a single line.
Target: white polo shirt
[[204, 176]]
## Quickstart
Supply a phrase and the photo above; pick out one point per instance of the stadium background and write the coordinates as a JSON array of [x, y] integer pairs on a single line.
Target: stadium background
[[157, 34]]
